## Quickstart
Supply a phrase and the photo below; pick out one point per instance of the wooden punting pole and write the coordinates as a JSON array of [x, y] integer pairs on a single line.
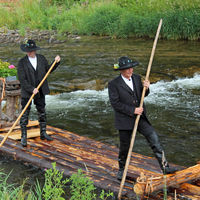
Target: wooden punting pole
[[154, 184], [138, 116]]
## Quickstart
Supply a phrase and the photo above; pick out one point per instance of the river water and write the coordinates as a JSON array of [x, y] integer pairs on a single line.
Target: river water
[[79, 100]]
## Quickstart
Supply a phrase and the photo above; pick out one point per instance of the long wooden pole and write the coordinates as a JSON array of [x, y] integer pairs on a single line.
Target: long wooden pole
[[138, 116], [28, 103]]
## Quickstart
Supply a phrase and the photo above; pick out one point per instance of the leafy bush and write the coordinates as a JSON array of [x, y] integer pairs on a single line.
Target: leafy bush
[[103, 19], [82, 188], [7, 70], [54, 185]]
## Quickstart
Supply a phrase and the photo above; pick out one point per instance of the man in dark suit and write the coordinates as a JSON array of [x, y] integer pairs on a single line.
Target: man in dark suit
[[31, 70], [125, 92]]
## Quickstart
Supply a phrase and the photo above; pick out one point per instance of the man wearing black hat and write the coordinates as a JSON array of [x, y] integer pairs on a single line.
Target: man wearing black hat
[[125, 92], [31, 70]]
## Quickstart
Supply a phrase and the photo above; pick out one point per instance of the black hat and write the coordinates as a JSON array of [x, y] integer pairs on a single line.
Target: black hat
[[125, 63], [29, 46]]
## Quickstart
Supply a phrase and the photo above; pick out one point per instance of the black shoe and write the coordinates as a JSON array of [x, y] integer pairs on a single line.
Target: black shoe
[[120, 174], [169, 170], [45, 136]]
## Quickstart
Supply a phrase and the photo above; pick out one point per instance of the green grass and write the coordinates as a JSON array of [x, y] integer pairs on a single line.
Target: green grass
[[81, 188], [115, 18]]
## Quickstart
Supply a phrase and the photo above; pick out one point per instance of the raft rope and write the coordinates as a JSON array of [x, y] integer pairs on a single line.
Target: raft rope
[[3, 88], [147, 181]]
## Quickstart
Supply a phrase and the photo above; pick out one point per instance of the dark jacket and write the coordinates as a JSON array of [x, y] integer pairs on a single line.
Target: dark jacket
[[29, 78], [123, 101]]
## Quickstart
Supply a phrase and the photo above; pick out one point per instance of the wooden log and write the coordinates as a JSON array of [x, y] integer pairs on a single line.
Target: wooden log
[[31, 124], [193, 189], [142, 163], [188, 197], [196, 182], [32, 133], [156, 183]]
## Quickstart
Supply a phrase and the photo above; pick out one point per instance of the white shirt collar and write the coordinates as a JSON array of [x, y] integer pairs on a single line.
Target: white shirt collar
[[33, 61], [129, 82]]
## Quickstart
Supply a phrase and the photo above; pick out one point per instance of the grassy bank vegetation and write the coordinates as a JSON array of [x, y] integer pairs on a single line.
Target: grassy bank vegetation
[[54, 188], [115, 18]]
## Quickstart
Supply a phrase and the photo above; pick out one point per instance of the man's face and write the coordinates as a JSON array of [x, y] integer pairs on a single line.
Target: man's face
[[127, 73], [31, 54]]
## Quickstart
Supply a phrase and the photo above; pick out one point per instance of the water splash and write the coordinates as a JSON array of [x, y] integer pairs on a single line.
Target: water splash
[[174, 93], [179, 93], [78, 99]]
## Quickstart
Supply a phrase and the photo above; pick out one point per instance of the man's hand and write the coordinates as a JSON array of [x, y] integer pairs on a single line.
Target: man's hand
[[57, 58], [146, 84], [35, 91], [138, 111]]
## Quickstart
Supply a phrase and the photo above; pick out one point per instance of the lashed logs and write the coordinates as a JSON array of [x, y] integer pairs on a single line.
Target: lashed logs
[[141, 163], [72, 152], [42, 154], [155, 184]]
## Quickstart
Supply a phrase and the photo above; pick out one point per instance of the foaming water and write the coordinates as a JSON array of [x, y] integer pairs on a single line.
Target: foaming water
[[81, 98], [169, 94], [177, 94]]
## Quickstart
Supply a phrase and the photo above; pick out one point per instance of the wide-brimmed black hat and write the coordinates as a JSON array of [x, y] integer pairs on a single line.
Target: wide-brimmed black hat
[[124, 63], [29, 46]]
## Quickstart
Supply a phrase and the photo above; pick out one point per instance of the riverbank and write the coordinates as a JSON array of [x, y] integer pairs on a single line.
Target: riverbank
[[49, 36], [114, 18]]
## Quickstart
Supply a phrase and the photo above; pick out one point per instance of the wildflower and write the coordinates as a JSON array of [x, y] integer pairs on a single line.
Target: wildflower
[[11, 66]]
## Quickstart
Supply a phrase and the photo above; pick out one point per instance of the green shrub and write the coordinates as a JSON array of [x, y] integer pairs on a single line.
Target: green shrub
[[82, 188], [7, 70], [103, 19], [54, 184], [181, 25]]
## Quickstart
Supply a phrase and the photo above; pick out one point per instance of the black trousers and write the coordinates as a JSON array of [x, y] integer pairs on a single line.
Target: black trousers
[[148, 132], [39, 101]]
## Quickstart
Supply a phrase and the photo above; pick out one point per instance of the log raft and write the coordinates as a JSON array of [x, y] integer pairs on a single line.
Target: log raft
[[72, 152]]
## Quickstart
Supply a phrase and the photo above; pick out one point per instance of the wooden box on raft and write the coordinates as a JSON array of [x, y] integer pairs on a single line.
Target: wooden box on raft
[[100, 162]]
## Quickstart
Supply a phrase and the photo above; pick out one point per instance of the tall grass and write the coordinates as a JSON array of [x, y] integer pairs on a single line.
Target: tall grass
[[11, 191], [115, 18]]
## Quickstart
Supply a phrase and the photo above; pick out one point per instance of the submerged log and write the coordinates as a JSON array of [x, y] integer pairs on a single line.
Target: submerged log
[[156, 183]]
